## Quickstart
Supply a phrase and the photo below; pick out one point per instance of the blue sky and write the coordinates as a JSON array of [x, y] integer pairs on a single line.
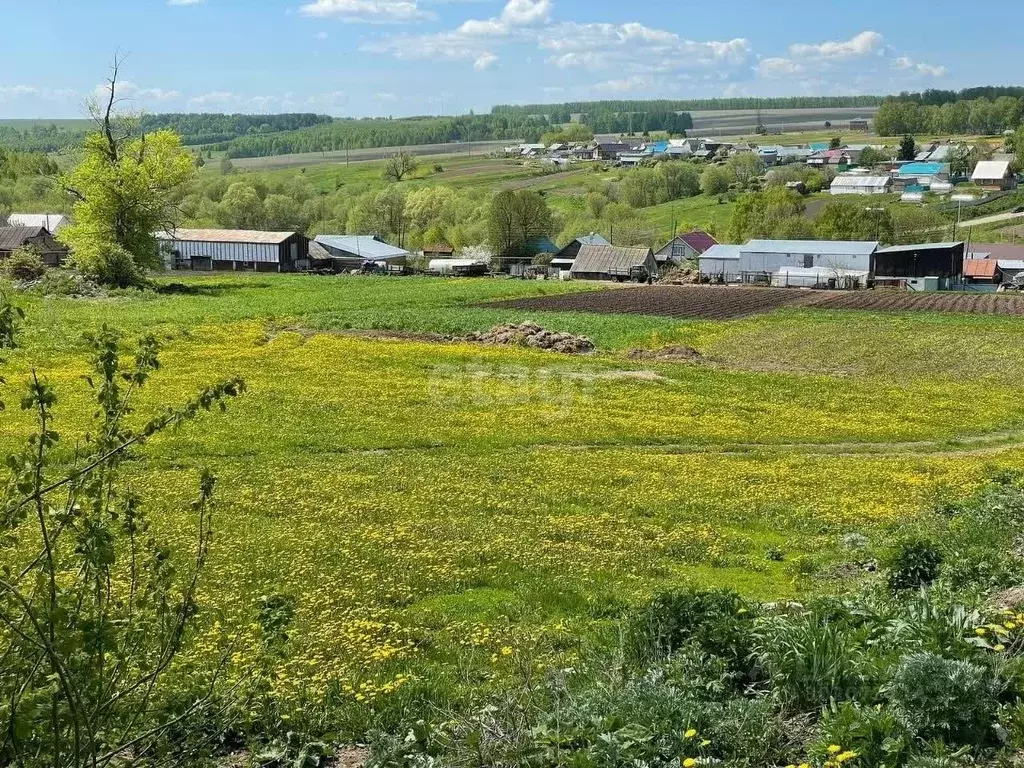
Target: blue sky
[[401, 57]]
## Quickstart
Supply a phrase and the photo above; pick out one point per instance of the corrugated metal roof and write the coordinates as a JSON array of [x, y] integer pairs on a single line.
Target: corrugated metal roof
[[823, 247], [991, 169], [226, 236], [857, 181], [609, 259], [1011, 263], [720, 251], [15, 237], [52, 221], [922, 169], [920, 247], [592, 239], [362, 246], [979, 268], [999, 250], [699, 240]]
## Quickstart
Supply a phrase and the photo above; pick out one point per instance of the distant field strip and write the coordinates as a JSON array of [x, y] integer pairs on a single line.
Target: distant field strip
[[721, 303]]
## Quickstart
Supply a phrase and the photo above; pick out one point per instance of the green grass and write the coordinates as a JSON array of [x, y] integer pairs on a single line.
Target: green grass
[[429, 504]]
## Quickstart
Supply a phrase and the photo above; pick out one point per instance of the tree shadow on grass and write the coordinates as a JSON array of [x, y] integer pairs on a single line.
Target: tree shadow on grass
[[207, 289]]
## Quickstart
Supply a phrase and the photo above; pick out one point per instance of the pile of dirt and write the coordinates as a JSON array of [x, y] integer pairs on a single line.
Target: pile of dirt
[[680, 277], [667, 354], [530, 334]]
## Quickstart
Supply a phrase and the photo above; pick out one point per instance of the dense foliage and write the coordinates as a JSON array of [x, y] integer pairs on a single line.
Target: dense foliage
[[962, 116], [386, 132]]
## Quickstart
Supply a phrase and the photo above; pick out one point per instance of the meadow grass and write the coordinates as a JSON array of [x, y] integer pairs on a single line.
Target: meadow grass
[[442, 510]]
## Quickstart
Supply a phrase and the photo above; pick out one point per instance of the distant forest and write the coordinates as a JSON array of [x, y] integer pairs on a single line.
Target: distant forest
[[195, 129], [952, 113], [596, 109]]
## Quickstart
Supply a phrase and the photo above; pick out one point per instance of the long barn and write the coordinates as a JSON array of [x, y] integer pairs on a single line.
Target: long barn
[[235, 249]]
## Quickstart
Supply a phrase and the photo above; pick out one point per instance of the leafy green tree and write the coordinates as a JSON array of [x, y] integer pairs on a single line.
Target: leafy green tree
[[843, 219], [124, 191], [515, 219], [835, 142], [715, 180], [241, 207], [400, 165], [283, 213], [775, 212], [680, 179], [871, 157], [644, 187], [908, 148], [745, 166]]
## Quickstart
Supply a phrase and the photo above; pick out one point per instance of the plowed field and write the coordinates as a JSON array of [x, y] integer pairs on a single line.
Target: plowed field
[[723, 303]]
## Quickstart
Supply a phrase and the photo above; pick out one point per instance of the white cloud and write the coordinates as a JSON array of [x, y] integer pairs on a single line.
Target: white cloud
[[931, 70], [626, 84], [518, 13], [370, 11], [129, 91], [185, 2], [214, 98], [864, 44], [384, 96], [11, 92], [485, 61], [322, 35]]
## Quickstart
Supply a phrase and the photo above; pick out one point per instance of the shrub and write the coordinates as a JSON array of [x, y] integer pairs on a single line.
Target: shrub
[[25, 264], [874, 733], [939, 698], [913, 565], [716, 621]]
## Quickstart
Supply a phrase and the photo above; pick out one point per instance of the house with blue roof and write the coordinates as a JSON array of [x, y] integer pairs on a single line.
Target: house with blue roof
[[922, 175]]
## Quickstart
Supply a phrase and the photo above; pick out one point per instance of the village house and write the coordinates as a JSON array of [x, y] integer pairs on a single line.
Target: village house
[[235, 249], [993, 175], [922, 175], [39, 238], [684, 247], [609, 150], [609, 262]]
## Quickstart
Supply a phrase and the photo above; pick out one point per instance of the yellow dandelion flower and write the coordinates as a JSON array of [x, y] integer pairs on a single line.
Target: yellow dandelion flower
[[690, 733], [689, 762], [834, 749]]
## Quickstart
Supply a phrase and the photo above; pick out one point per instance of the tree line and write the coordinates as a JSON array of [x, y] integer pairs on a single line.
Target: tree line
[[386, 132], [194, 129], [982, 115]]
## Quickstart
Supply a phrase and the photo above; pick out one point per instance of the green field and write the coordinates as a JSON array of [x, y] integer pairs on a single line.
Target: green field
[[443, 510]]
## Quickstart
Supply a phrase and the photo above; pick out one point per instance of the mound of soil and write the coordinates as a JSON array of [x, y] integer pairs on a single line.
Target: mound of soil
[[668, 354], [530, 334], [680, 277]]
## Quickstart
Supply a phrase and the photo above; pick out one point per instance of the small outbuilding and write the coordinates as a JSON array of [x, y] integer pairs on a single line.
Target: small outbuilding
[[438, 251], [567, 253], [857, 184], [348, 252], [39, 238], [457, 267], [993, 175], [720, 263], [52, 222], [610, 262]]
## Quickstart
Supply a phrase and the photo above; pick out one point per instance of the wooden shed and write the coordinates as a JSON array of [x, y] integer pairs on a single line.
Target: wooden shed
[[13, 238], [610, 262]]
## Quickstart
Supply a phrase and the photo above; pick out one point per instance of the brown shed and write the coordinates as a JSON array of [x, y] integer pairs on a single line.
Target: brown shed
[[610, 262], [13, 238]]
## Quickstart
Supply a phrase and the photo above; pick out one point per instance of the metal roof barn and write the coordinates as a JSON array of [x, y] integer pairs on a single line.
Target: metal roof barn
[[53, 222], [942, 260], [769, 256], [235, 249]]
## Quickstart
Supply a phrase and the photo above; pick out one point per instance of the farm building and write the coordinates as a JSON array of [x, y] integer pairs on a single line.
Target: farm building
[[860, 124], [609, 150], [438, 251], [684, 247], [720, 263], [348, 252], [981, 273], [13, 238], [923, 174], [924, 266], [609, 262], [235, 249], [1005, 251], [765, 257], [855, 184], [457, 267], [52, 222], [993, 175], [837, 158], [567, 254]]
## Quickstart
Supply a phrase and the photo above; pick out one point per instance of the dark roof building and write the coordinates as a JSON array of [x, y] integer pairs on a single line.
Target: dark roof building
[[13, 238], [944, 261], [569, 251], [609, 262]]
